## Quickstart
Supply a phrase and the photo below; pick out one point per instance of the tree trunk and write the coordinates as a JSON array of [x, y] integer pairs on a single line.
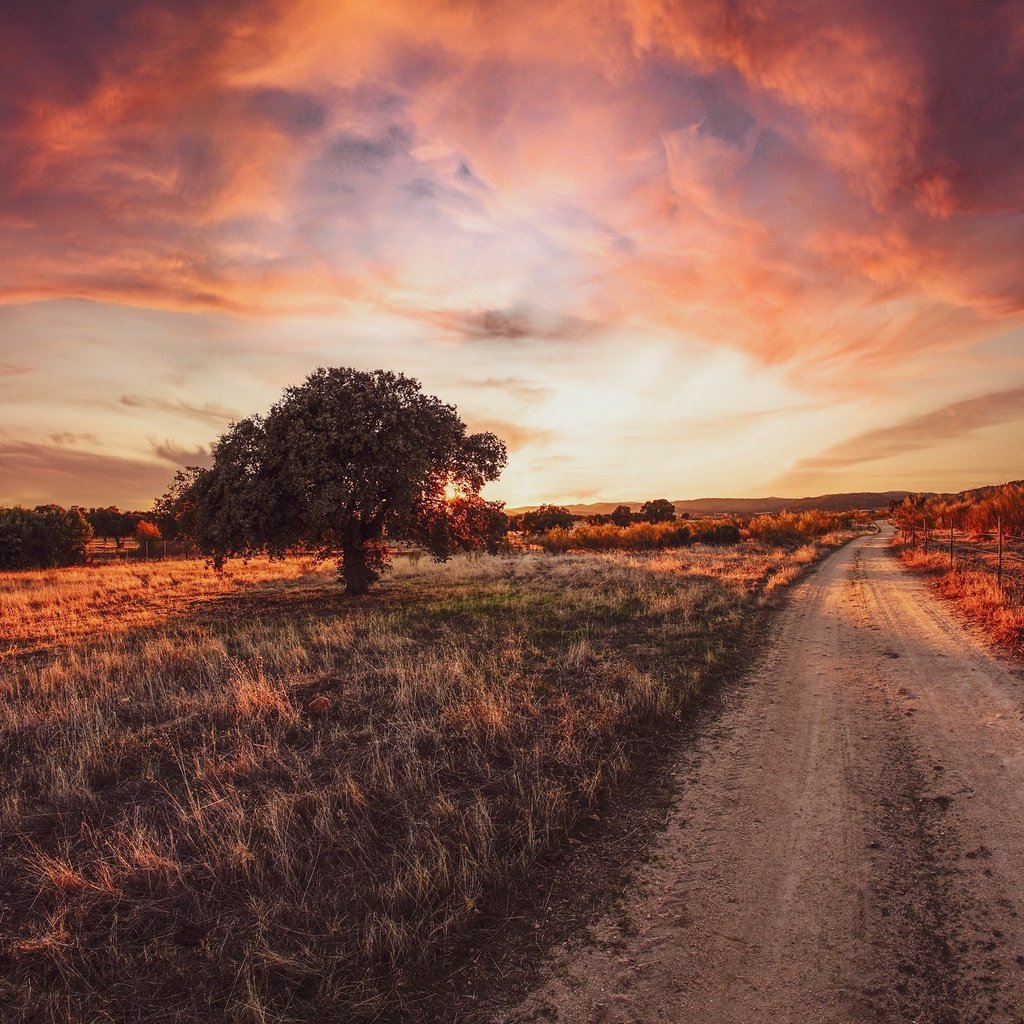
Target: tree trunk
[[355, 570]]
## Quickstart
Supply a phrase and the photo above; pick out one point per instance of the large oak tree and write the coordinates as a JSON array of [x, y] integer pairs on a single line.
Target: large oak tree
[[340, 464]]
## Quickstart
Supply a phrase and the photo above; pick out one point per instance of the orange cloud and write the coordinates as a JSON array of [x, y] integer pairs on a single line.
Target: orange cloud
[[830, 186]]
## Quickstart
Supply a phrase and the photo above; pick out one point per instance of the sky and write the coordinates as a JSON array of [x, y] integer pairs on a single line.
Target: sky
[[663, 249]]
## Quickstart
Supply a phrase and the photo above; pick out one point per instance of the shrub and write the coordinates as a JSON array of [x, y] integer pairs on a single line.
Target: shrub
[[719, 533], [609, 537], [145, 530], [796, 527]]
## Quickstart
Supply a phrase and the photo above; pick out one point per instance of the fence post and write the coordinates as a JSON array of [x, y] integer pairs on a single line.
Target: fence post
[[999, 571], [924, 525], [950, 543]]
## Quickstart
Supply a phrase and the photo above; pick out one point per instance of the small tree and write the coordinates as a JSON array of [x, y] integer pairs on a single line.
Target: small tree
[[342, 462], [146, 533], [621, 515], [461, 524], [106, 523], [546, 518], [661, 510]]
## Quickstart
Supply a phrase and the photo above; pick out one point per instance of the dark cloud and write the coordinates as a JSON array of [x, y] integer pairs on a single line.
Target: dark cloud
[[63, 50], [293, 113], [922, 97], [208, 412], [975, 132], [353, 152], [513, 324], [178, 455]]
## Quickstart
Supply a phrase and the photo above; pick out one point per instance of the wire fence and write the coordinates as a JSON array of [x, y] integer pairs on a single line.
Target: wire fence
[[1001, 556], [100, 553]]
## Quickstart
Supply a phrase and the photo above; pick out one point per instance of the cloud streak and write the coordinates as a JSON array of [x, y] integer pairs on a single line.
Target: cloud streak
[[951, 422], [209, 412]]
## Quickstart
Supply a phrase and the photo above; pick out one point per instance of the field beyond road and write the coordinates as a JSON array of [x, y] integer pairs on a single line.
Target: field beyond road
[[248, 798], [846, 842]]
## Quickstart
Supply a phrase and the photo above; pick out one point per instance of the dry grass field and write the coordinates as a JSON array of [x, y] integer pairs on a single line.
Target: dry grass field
[[977, 595], [246, 798]]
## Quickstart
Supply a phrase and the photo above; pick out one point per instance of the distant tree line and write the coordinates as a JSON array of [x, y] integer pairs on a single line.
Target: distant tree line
[[53, 537], [546, 518]]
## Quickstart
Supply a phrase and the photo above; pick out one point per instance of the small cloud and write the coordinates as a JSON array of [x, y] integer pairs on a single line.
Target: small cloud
[[511, 324], [67, 437], [352, 152], [291, 112], [421, 188], [209, 412], [174, 453]]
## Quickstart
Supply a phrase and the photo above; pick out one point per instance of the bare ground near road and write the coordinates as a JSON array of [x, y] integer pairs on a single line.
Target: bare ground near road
[[847, 840]]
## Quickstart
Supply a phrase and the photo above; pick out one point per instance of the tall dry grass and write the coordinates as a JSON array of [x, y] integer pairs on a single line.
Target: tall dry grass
[[48, 607], [976, 593], [802, 527], [253, 800]]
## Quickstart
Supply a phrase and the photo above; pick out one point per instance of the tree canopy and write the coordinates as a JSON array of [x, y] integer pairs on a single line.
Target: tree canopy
[[660, 510], [340, 464], [621, 515], [545, 518]]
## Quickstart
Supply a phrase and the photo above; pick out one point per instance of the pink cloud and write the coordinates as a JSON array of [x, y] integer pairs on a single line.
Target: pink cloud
[[830, 182]]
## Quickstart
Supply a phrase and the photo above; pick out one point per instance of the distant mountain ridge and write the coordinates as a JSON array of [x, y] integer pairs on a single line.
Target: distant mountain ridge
[[750, 506]]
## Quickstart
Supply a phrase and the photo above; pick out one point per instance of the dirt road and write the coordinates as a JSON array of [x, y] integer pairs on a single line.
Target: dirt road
[[848, 838]]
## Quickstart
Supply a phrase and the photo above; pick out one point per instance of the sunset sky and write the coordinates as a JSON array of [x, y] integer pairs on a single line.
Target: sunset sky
[[661, 248]]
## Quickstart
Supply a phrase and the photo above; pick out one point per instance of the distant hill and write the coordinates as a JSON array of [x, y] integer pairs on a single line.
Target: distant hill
[[845, 502], [976, 494], [750, 506]]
